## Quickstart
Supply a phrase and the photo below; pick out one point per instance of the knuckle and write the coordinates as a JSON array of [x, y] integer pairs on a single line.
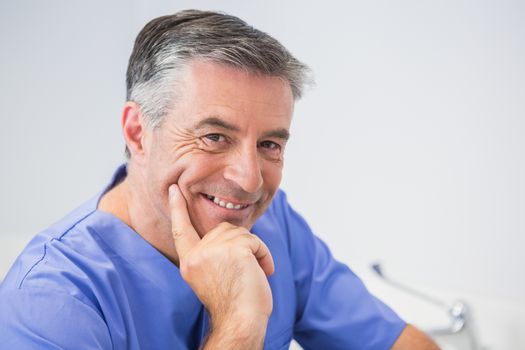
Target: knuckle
[[238, 250], [231, 246], [177, 231], [252, 238], [189, 266], [225, 225], [241, 232], [240, 237], [245, 253], [184, 270], [248, 239]]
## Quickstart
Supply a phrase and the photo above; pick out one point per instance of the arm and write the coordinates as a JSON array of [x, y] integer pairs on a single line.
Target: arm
[[334, 308], [37, 318], [412, 338], [237, 335]]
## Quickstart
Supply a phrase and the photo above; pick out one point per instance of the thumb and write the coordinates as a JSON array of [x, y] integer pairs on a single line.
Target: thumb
[[184, 235]]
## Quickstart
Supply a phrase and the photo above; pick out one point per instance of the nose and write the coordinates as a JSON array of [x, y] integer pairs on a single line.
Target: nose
[[245, 170]]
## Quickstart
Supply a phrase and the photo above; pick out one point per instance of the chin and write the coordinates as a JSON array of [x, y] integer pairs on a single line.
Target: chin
[[203, 226]]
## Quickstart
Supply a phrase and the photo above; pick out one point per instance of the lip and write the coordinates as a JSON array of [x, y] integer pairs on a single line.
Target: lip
[[236, 215], [230, 200]]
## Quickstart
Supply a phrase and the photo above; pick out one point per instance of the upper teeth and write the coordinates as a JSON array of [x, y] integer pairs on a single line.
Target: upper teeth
[[226, 205]]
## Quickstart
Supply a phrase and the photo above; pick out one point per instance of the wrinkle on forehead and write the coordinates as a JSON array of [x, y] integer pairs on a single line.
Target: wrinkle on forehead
[[250, 102], [193, 92]]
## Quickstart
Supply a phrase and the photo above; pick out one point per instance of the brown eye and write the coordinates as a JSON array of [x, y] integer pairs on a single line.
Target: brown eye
[[215, 137], [215, 142], [270, 145]]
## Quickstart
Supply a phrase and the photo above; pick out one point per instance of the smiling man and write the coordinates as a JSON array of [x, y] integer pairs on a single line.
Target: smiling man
[[192, 244]]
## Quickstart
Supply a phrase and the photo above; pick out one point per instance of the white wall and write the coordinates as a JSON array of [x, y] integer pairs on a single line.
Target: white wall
[[410, 149]]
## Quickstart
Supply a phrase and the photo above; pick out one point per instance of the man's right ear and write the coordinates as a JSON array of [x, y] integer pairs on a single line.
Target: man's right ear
[[133, 129]]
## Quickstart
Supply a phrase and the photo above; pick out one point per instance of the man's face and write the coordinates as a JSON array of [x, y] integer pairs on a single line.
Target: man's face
[[223, 144]]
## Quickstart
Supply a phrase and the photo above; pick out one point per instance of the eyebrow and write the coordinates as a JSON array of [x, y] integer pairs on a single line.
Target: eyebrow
[[282, 133], [214, 121]]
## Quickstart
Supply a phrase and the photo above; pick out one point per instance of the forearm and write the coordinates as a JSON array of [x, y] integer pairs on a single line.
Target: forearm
[[413, 339], [248, 334]]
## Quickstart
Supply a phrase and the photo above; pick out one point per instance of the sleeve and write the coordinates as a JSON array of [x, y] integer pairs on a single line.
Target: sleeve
[[334, 308], [39, 319]]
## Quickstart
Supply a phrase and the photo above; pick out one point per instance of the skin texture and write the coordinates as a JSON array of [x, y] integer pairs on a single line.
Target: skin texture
[[225, 136]]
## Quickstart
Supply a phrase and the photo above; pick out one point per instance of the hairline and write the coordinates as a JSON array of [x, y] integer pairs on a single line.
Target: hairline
[[179, 73]]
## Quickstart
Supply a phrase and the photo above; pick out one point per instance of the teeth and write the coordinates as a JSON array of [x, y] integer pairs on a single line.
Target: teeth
[[224, 204]]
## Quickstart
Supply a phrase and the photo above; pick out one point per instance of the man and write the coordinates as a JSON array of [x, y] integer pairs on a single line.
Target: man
[[192, 244]]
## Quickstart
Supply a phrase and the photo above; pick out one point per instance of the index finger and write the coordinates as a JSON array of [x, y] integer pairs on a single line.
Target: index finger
[[184, 235]]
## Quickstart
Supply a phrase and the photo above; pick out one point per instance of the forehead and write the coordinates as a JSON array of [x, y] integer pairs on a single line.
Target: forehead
[[206, 88]]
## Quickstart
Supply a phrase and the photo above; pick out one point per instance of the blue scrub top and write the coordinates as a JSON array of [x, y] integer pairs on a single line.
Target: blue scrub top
[[91, 282]]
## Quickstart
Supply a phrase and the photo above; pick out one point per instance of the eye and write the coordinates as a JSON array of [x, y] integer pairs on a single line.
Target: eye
[[270, 145], [215, 142], [215, 137]]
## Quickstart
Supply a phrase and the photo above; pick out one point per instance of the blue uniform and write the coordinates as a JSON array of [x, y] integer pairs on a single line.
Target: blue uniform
[[91, 282]]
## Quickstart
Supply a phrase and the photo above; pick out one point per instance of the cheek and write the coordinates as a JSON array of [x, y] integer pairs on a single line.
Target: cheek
[[172, 155], [199, 171], [162, 173], [159, 180], [178, 166]]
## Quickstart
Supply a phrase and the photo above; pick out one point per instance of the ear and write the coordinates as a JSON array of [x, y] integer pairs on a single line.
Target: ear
[[134, 130]]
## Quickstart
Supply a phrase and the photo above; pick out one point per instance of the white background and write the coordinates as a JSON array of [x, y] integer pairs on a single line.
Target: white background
[[410, 150]]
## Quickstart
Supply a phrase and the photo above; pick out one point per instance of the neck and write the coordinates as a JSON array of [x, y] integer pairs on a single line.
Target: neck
[[129, 203]]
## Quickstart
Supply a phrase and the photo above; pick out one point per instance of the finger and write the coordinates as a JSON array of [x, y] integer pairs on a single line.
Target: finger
[[222, 232], [262, 253], [184, 235]]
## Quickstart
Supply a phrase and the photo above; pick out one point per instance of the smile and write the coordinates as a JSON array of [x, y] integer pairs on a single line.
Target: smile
[[225, 204]]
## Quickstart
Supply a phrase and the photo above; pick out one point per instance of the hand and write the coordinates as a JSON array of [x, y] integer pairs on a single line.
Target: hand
[[227, 269]]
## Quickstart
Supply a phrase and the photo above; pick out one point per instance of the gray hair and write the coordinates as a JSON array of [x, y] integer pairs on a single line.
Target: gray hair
[[167, 44]]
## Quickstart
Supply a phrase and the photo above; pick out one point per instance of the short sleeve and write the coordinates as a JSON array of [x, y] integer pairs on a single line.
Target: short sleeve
[[334, 308], [39, 319]]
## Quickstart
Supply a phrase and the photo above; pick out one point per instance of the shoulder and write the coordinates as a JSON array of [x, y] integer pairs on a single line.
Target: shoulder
[[59, 259], [36, 317]]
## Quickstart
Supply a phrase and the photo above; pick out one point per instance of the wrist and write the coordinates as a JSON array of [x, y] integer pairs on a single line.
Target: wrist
[[239, 331]]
